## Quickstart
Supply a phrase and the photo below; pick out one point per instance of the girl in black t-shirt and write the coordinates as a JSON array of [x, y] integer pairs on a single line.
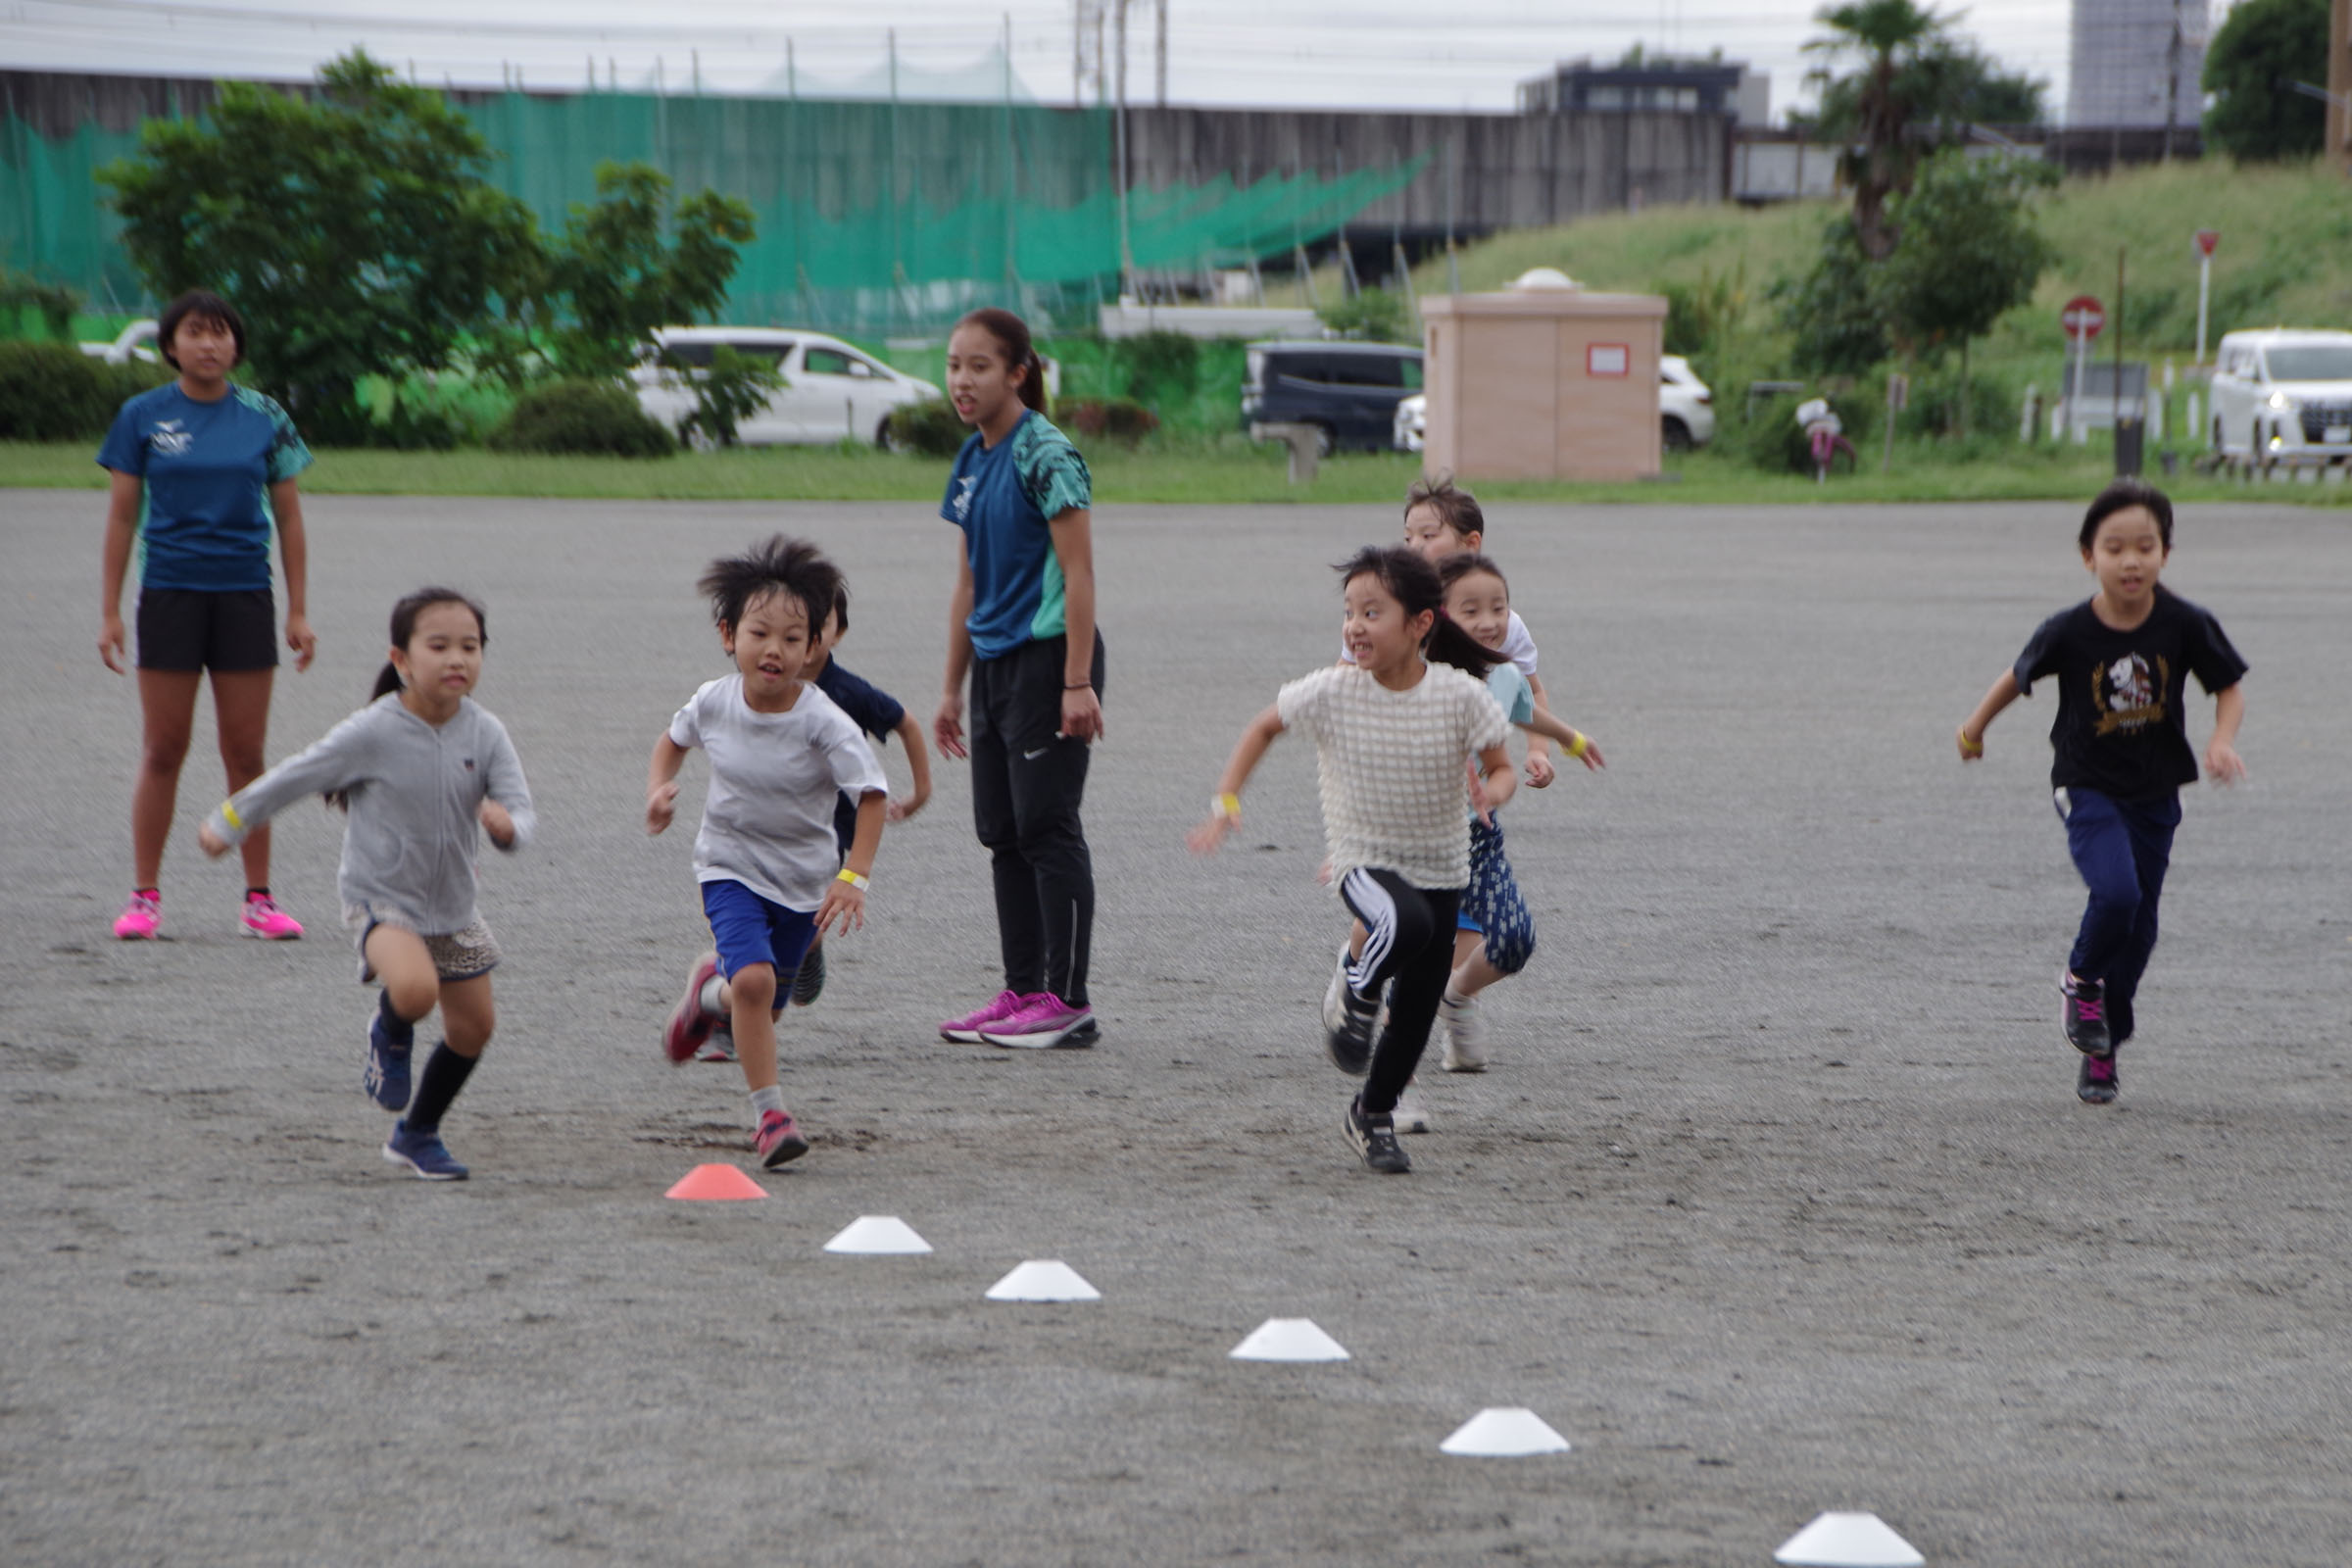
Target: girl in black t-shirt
[[2121, 660]]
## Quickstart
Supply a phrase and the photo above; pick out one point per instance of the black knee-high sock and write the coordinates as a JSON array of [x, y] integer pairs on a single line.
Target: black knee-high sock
[[401, 1031], [445, 1073]]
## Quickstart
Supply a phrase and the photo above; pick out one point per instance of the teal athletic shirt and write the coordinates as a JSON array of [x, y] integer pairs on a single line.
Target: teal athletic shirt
[[1003, 498], [204, 516]]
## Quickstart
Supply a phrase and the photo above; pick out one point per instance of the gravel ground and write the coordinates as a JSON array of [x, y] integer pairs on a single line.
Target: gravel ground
[[1777, 1198]]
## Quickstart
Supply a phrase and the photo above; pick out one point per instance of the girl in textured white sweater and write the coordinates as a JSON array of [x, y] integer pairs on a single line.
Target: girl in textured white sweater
[[423, 774], [1393, 733]]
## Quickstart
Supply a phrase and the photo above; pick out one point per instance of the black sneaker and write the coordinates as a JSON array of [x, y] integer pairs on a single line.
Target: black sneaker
[[1375, 1138], [2097, 1081], [2085, 1013], [809, 982], [1350, 1041]]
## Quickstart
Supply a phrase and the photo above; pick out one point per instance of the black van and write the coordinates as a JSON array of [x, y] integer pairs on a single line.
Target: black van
[[1349, 389]]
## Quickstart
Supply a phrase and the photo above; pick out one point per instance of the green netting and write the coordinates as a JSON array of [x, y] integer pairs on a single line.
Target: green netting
[[875, 218]]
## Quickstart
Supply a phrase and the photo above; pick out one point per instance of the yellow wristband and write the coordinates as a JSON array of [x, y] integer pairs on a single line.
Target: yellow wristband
[[1227, 806], [1579, 746], [1971, 748], [852, 878], [228, 814]]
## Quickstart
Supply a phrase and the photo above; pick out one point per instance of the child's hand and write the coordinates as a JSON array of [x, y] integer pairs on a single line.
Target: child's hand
[[1204, 839], [1323, 872], [1971, 746], [1539, 772], [212, 843], [900, 811], [497, 823], [1592, 760], [2222, 764], [845, 901], [661, 804], [946, 725]]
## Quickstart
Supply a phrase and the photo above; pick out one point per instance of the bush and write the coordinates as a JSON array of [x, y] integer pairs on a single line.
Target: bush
[[1374, 314], [1776, 443], [1934, 411], [54, 392], [928, 430], [1161, 366], [582, 417], [1120, 420], [734, 387]]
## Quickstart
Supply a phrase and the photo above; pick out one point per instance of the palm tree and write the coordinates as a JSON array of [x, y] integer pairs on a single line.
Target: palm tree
[[1911, 76]]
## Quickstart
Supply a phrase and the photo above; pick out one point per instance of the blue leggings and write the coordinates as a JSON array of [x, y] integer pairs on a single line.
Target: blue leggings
[[1491, 905], [2122, 848]]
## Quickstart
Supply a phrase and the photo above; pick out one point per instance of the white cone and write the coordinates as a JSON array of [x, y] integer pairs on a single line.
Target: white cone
[[1048, 1281], [1288, 1339], [1848, 1540], [878, 1235], [1504, 1433]]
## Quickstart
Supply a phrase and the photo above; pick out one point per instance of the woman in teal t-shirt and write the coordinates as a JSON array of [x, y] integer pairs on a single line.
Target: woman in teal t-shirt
[[202, 469]]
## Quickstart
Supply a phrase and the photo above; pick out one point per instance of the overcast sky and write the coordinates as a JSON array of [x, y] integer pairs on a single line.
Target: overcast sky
[[1423, 54]]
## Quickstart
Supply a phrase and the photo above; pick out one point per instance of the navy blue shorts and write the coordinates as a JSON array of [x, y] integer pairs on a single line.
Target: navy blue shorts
[[747, 929]]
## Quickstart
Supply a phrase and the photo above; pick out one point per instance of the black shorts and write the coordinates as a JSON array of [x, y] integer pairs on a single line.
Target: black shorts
[[187, 628]]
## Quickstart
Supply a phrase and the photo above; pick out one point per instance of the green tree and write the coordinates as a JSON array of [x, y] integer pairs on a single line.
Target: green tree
[[2265, 45], [1971, 250], [355, 231], [1992, 96], [629, 262], [1830, 312], [1908, 78]]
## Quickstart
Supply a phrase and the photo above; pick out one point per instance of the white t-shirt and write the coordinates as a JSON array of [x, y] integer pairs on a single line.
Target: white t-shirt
[[1517, 647], [1391, 766], [767, 819]]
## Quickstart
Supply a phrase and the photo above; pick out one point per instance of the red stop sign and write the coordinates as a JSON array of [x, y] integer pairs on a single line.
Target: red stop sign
[[2207, 239], [2083, 317]]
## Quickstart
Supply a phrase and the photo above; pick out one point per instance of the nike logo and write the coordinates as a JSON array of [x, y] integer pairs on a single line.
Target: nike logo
[[1031, 757]]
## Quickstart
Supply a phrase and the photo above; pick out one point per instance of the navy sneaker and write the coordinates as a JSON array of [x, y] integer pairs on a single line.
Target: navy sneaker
[[386, 1077], [1375, 1138], [2097, 1081], [809, 982], [2085, 1013], [423, 1154]]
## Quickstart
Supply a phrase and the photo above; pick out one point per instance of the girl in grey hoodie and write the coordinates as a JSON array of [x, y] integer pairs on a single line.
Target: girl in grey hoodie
[[423, 772]]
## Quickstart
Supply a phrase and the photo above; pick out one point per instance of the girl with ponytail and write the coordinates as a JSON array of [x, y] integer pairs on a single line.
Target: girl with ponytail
[[1021, 626], [423, 774]]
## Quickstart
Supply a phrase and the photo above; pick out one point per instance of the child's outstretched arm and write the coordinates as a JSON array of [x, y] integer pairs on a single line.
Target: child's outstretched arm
[[1576, 742], [1539, 772], [1973, 728], [844, 897], [1497, 781], [1225, 813], [336, 761], [918, 762], [661, 783], [2222, 763]]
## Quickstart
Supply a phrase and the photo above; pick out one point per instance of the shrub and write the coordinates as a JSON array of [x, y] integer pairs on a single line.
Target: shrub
[[928, 430], [1120, 420], [54, 392], [1776, 443], [1161, 366], [1374, 314], [1935, 410], [734, 387], [582, 417]]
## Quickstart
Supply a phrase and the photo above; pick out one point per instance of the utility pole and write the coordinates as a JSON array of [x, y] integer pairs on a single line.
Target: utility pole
[[1126, 251], [1159, 56], [2340, 85]]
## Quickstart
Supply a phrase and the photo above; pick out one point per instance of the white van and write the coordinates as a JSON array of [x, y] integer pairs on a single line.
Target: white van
[[831, 389], [2282, 396]]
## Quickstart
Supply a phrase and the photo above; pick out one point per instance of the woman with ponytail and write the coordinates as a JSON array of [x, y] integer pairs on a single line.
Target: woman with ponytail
[[1393, 729], [1021, 626], [422, 772]]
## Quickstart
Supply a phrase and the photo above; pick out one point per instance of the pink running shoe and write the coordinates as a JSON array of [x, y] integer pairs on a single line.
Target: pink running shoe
[[966, 1029], [779, 1139], [265, 919], [1045, 1022], [689, 1024], [142, 917]]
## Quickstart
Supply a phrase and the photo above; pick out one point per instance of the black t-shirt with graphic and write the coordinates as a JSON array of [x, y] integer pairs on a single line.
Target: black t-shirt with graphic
[[2120, 727]]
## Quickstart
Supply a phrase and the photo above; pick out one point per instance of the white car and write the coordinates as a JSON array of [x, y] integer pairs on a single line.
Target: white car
[[831, 390], [2282, 397], [1686, 410], [136, 342]]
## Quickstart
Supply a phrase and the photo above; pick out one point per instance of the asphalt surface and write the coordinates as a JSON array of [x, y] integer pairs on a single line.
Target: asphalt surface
[[1775, 1200]]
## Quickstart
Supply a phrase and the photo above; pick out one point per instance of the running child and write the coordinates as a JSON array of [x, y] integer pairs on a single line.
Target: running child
[[773, 874], [1021, 624], [1495, 934], [1443, 519], [1392, 734], [422, 772], [2122, 661]]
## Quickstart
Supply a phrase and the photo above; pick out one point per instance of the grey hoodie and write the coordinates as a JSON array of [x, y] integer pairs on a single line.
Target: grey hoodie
[[410, 848]]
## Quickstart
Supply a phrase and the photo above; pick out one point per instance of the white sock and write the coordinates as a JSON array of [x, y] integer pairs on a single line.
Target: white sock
[[767, 1099], [710, 998], [1455, 999]]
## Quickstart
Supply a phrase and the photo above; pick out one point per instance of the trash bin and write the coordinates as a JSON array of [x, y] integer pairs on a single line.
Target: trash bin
[[2129, 435]]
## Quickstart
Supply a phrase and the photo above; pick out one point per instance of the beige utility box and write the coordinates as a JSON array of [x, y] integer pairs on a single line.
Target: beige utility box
[[1542, 382]]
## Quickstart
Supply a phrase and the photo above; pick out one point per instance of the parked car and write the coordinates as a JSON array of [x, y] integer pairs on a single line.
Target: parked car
[[134, 342], [2282, 396], [1686, 411], [831, 389], [1349, 391]]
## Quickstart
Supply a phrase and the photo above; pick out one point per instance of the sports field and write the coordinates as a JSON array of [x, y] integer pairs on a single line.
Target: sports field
[[1777, 1198]]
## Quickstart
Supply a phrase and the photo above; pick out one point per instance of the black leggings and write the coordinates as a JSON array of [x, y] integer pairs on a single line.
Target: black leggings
[[1026, 788], [1410, 942]]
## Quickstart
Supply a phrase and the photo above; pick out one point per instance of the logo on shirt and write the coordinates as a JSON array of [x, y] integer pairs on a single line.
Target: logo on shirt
[[963, 496], [469, 764], [169, 440], [2129, 693]]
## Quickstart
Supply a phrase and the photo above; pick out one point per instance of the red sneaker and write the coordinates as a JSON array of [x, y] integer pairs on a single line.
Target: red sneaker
[[779, 1139], [689, 1024]]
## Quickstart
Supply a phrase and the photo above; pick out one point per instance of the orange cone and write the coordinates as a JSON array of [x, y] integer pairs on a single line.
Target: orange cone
[[716, 1182]]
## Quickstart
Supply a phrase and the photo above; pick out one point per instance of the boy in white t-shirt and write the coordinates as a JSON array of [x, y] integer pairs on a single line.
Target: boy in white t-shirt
[[771, 870]]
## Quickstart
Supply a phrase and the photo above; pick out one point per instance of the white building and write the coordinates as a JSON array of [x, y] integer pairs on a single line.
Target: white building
[[2138, 64]]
